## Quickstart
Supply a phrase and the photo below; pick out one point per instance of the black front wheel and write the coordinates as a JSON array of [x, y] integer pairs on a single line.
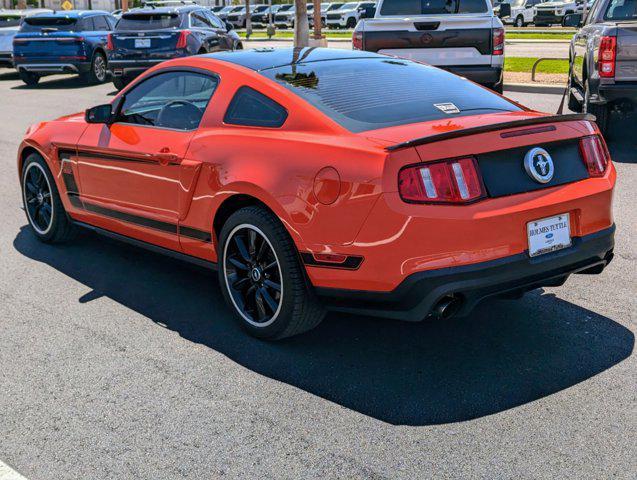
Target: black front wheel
[[261, 277], [45, 212]]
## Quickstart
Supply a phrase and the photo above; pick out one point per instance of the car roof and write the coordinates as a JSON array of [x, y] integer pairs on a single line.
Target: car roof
[[168, 9], [260, 59], [72, 13]]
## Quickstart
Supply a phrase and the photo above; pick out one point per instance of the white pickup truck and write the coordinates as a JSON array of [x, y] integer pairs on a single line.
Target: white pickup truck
[[462, 36], [522, 12]]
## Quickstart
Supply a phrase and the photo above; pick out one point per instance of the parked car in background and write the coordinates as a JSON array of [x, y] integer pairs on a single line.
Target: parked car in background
[[451, 193], [262, 18], [9, 26], [522, 12], [603, 60], [63, 42], [464, 37], [147, 36], [553, 12], [348, 15], [225, 11], [285, 16], [238, 19], [328, 8]]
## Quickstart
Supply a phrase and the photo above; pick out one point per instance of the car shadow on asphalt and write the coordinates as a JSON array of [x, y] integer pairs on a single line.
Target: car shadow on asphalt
[[508, 353], [620, 139], [56, 82]]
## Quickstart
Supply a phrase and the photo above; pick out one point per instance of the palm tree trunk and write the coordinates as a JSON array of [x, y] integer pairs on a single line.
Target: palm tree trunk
[[301, 25], [248, 20]]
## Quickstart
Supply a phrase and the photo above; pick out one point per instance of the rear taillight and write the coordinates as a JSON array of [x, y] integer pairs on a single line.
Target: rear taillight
[[606, 57], [595, 155], [183, 39], [451, 181], [109, 42], [357, 40], [498, 41]]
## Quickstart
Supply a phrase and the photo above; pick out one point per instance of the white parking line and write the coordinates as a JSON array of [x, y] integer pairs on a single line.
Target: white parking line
[[7, 473]]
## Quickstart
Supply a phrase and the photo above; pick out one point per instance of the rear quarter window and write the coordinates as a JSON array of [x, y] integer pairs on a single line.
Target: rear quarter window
[[371, 93], [9, 20], [251, 108], [432, 7]]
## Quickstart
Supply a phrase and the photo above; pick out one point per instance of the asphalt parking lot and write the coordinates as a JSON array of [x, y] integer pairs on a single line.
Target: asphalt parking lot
[[116, 363]]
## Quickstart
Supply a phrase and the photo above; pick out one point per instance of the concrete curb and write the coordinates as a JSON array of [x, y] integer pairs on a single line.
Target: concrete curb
[[535, 88], [261, 39]]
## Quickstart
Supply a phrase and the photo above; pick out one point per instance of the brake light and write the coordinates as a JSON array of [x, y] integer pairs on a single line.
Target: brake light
[[109, 42], [183, 39], [451, 181], [357, 40], [606, 57], [498, 41], [595, 155]]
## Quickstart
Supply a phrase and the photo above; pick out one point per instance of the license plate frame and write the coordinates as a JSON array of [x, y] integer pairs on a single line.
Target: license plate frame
[[549, 234], [142, 43]]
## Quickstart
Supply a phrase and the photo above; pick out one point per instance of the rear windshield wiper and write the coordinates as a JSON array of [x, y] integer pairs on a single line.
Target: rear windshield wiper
[[48, 29]]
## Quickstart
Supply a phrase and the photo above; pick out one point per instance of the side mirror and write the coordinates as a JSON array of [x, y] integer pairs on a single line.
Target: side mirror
[[229, 26], [505, 10], [99, 114], [572, 20]]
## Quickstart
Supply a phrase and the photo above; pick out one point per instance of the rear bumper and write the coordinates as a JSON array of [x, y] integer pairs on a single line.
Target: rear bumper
[[54, 67], [626, 91], [419, 293], [132, 67], [6, 60], [484, 75]]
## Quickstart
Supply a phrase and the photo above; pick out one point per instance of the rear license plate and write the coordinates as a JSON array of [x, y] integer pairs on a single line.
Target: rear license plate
[[549, 234], [142, 43]]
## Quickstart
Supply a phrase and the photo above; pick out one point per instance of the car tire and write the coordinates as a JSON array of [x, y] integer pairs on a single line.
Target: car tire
[[98, 72], [351, 22], [29, 78], [601, 111], [120, 82], [42, 203], [251, 238], [574, 104], [519, 21]]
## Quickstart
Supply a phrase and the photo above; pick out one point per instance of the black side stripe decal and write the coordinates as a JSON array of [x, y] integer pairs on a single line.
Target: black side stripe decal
[[167, 227]]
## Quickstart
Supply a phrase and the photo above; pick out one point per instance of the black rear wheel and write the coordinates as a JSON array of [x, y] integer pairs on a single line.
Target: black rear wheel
[[601, 111], [29, 78], [120, 82], [99, 70], [261, 277]]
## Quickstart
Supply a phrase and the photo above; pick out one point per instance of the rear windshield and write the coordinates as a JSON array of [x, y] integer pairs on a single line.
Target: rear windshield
[[370, 93], [148, 21], [621, 10], [9, 21], [60, 24], [432, 7]]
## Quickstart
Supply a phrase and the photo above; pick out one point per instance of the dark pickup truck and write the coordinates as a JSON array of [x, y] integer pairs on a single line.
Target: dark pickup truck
[[603, 59]]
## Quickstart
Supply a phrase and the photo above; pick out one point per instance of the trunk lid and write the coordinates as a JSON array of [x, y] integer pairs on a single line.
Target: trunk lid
[[48, 43], [144, 44]]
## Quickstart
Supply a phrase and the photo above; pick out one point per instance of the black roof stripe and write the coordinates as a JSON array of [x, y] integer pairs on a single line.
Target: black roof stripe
[[266, 58]]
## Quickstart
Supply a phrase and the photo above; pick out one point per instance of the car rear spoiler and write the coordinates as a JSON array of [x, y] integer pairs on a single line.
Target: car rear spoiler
[[491, 128]]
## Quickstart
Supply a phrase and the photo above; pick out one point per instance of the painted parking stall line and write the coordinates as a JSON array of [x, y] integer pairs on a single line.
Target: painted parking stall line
[[7, 473]]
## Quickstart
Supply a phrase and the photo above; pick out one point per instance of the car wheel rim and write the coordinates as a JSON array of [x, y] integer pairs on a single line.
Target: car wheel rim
[[37, 199], [252, 275], [99, 68]]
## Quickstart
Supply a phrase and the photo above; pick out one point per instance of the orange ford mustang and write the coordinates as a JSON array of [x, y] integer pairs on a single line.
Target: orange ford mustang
[[316, 179]]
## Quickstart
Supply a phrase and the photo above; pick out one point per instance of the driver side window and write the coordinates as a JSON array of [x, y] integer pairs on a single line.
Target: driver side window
[[175, 100]]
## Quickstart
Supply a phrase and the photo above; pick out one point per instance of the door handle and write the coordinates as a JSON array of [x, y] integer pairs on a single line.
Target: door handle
[[165, 157]]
